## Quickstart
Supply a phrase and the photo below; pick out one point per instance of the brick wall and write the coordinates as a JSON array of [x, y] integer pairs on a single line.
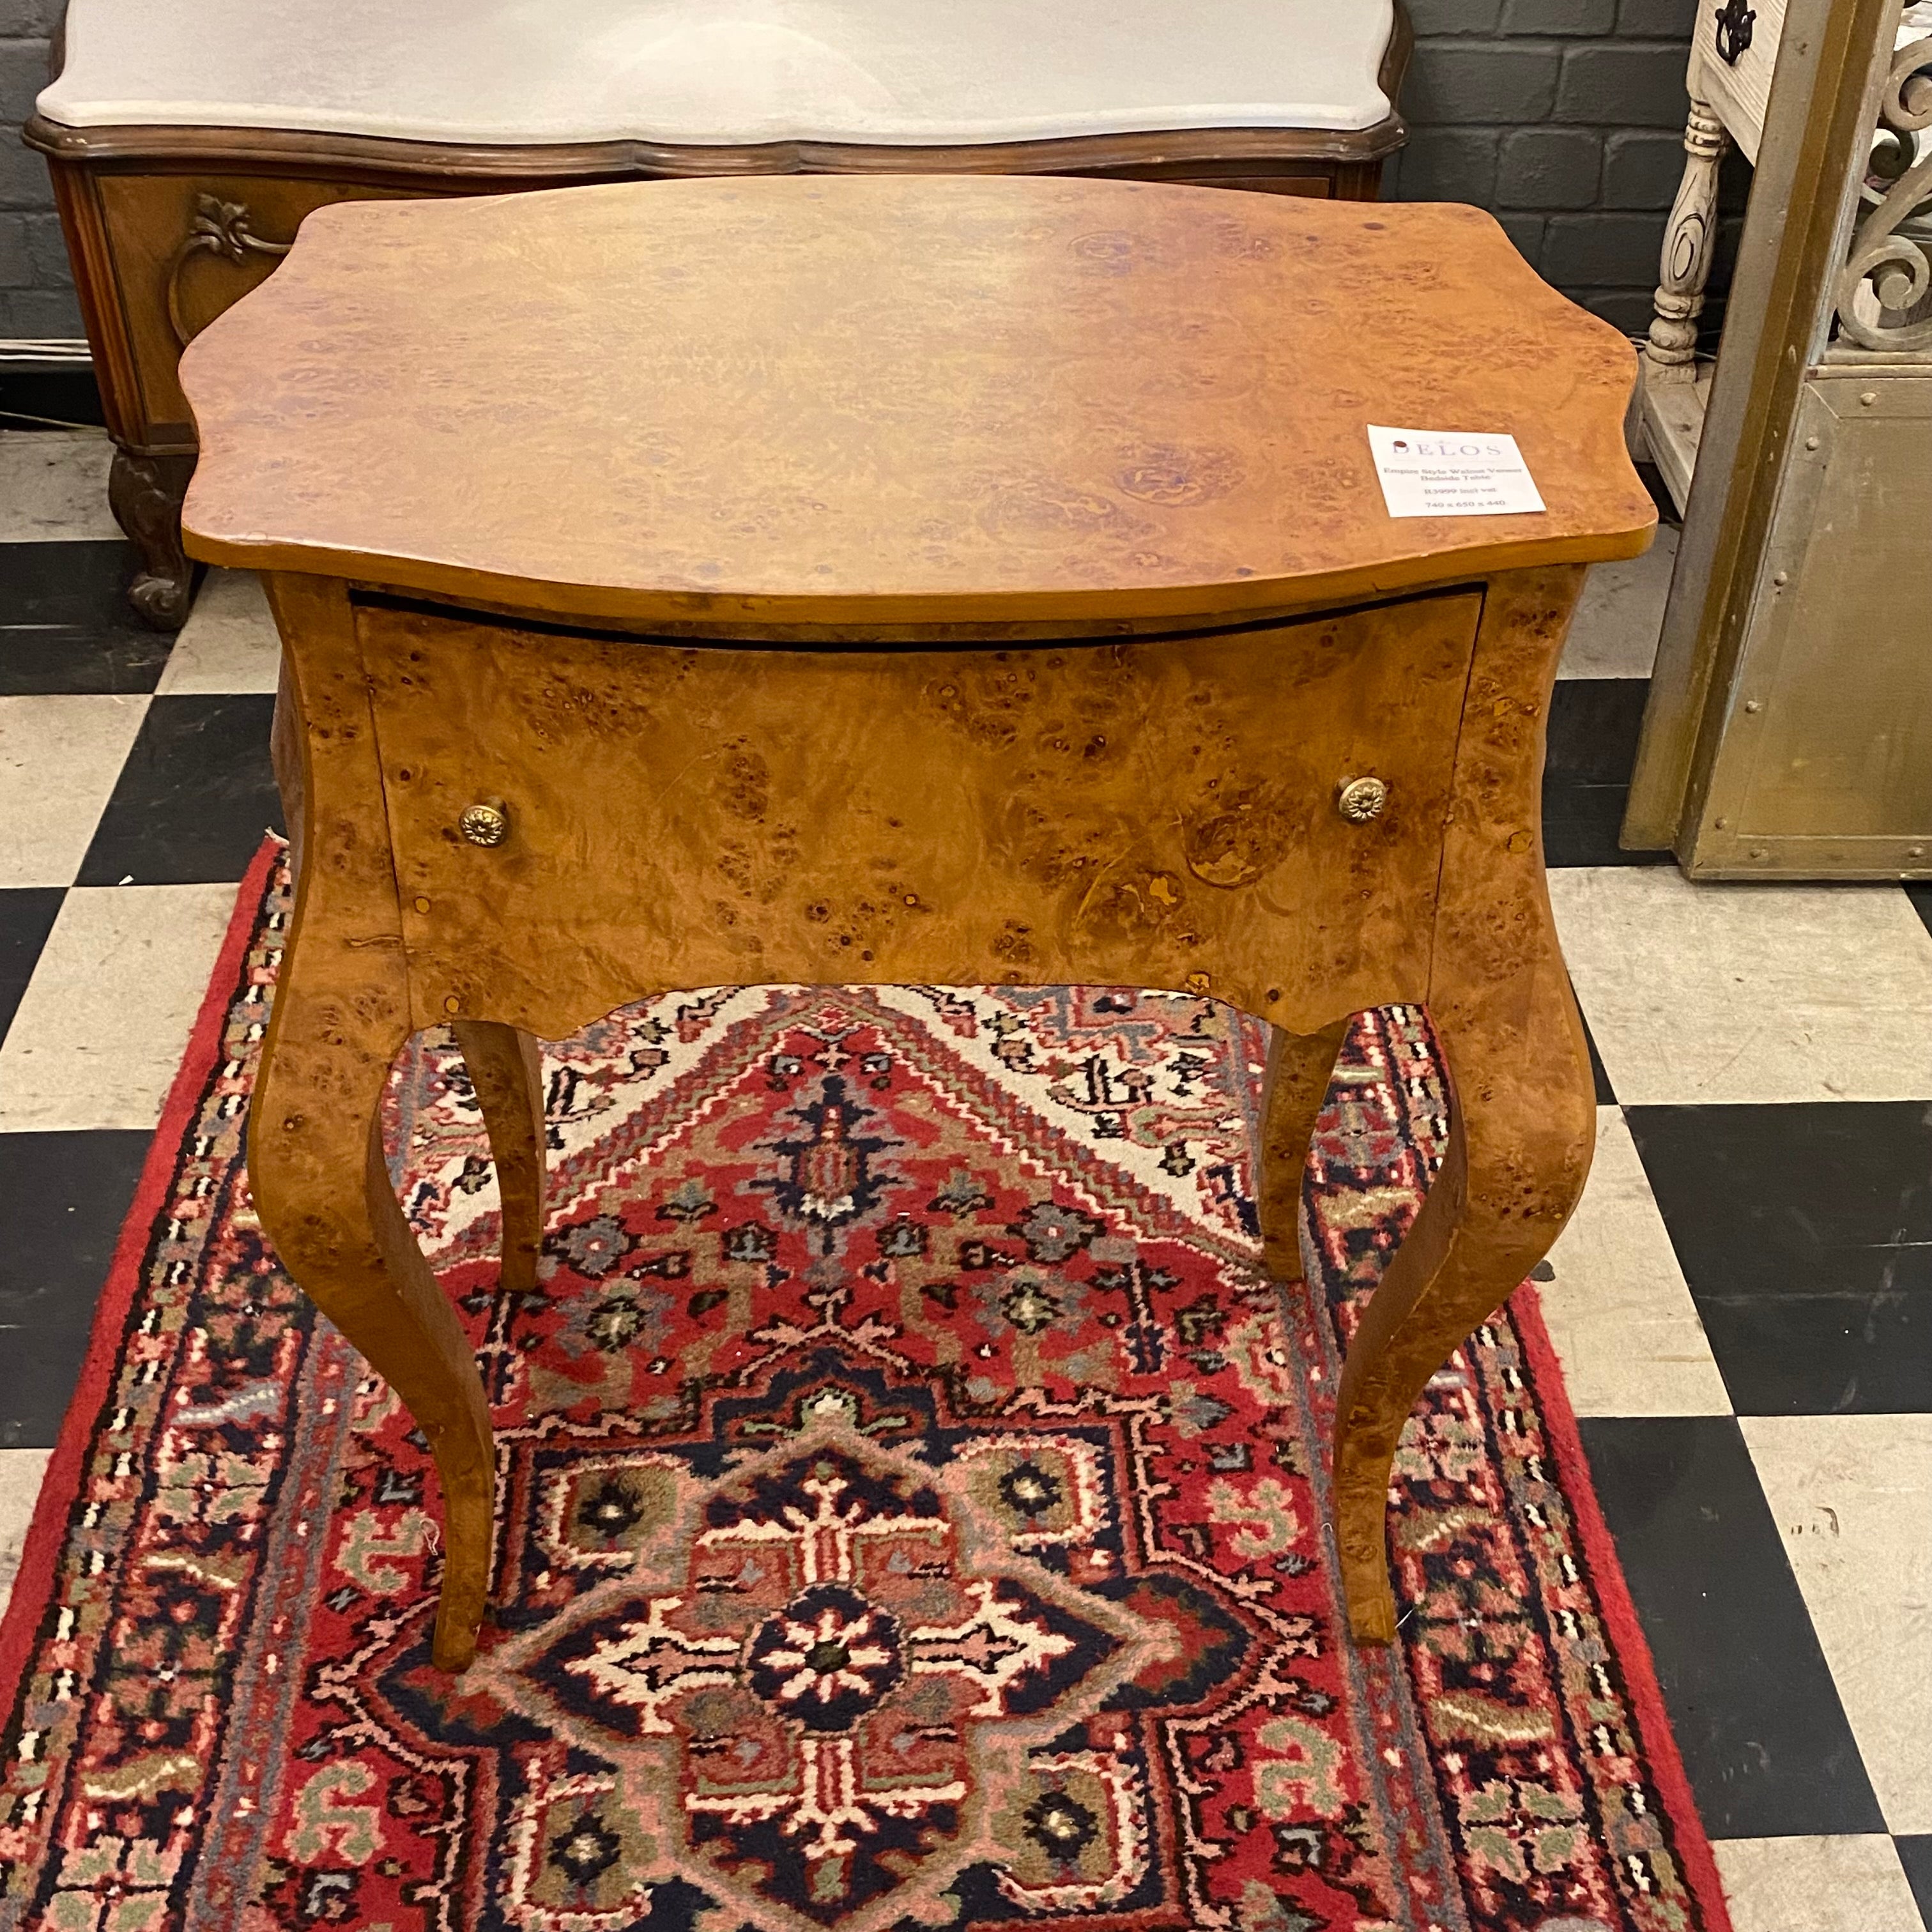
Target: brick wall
[[1564, 116], [36, 297]]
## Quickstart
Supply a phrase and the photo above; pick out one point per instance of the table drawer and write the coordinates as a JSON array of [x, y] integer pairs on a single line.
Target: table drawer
[[1154, 812]]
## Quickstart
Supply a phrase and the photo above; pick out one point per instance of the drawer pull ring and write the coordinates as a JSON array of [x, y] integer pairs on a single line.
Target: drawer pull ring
[[1360, 799], [486, 822], [1735, 21]]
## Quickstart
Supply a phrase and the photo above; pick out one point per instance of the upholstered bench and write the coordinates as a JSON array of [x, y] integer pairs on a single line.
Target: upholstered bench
[[188, 138]]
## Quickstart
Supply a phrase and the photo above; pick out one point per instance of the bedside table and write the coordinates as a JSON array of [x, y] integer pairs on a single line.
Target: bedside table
[[908, 579]]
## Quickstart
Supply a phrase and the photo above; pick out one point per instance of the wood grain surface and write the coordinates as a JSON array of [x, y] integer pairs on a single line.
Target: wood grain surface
[[936, 425], [1160, 812], [315, 1149], [1522, 1106], [1153, 810], [893, 399]]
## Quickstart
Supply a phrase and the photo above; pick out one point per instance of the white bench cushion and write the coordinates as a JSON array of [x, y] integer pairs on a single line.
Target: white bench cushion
[[723, 71]]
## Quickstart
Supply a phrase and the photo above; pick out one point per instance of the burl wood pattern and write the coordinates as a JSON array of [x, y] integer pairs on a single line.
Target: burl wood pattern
[[1150, 811], [1295, 1084], [958, 450], [894, 399], [1147, 813], [506, 1069], [1522, 1104], [315, 1156]]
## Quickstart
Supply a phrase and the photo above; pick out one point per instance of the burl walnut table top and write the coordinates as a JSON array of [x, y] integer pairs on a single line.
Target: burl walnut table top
[[894, 399]]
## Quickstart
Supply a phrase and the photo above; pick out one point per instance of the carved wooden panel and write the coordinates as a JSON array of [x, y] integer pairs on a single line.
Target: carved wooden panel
[[1156, 812]]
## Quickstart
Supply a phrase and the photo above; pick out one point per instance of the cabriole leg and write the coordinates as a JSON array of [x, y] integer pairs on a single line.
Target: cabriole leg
[[1522, 1104], [506, 1069], [1299, 1066], [341, 1014], [323, 1191], [1518, 1153], [146, 494]]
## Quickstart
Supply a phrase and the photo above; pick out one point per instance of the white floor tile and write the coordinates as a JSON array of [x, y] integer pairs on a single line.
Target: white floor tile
[[59, 757], [53, 484], [101, 1028], [20, 1473], [1715, 993], [1614, 633], [1624, 1324], [229, 642], [1816, 1885], [1853, 1495]]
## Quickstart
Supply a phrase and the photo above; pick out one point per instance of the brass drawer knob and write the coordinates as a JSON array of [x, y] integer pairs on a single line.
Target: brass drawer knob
[[1358, 800], [485, 823]]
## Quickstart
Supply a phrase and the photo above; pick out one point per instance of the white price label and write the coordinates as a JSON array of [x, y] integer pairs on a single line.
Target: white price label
[[1435, 472]]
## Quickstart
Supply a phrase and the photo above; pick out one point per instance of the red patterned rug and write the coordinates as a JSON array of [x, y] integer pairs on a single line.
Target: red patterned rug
[[911, 1512]]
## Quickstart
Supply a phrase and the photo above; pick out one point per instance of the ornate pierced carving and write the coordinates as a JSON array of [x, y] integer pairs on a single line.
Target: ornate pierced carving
[[219, 228], [1686, 266], [1883, 289]]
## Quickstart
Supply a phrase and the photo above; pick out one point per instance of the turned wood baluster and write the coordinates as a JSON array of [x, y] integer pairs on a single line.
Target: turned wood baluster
[[1688, 243]]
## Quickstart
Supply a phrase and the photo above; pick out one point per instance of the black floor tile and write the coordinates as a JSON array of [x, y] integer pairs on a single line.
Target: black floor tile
[[61, 395], [63, 1198], [1805, 1233], [1607, 1094], [1916, 1855], [1750, 1698], [26, 917], [1593, 723], [193, 797], [66, 625], [1921, 896]]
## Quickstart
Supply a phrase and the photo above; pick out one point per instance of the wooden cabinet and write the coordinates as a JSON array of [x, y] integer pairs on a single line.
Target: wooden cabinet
[[185, 155]]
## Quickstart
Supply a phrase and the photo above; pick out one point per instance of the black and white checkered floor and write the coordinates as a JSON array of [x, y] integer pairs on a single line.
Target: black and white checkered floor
[[1744, 1303]]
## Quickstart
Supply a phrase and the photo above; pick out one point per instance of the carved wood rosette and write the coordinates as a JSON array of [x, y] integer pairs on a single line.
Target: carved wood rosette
[[220, 228]]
